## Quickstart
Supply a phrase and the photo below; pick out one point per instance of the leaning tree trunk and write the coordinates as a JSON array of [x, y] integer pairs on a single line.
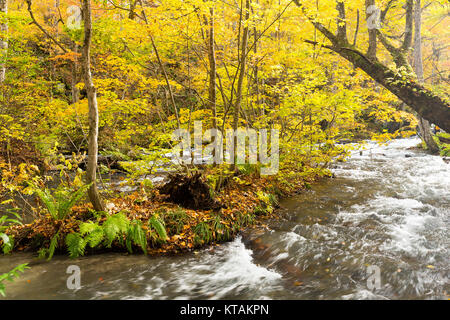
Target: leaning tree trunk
[[94, 195], [422, 100], [3, 40], [427, 104], [424, 125]]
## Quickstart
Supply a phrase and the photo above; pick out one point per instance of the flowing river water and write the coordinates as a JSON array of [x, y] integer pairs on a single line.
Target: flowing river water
[[386, 210]]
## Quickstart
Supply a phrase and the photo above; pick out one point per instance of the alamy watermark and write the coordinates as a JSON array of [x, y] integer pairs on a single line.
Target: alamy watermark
[[213, 153], [74, 280], [74, 19], [374, 17]]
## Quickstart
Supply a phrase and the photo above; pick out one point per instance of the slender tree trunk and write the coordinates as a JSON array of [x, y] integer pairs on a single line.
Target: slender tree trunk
[[212, 69], [94, 195], [74, 78], [212, 92], [3, 41], [424, 125], [242, 64], [372, 50]]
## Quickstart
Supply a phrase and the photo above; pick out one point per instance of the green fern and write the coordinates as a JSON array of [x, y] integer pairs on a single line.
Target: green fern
[[75, 245], [48, 200], [53, 246], [65, 205], [8, 243], [50, 251], [59, 204], [5, 222], [244, 219], [158, 225], [11, 275], [137, 236], [114, 226], [175, 221], [93, 232]]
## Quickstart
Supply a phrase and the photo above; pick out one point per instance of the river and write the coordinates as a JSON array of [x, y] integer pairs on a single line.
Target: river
[[378, 230]]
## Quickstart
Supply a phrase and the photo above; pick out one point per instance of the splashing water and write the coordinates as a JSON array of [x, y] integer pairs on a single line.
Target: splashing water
[[387, 207]]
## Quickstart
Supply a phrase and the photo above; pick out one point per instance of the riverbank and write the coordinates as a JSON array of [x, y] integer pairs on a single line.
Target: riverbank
[[150, 222], [385, 208]]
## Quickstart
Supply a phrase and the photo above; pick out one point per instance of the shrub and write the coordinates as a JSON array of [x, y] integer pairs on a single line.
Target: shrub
[[61, 201]]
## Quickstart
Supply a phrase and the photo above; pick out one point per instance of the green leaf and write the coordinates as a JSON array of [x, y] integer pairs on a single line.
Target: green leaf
[[158, 225], [65, 206], [114, 226], [136, 235], [75, 245], [53, 246], [11, 275], [8, 243]]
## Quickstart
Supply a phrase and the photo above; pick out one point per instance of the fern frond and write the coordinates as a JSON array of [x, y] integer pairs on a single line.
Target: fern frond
[[53, 246], [136, 235], [11, 275], [158, 225], [8, 243], [75, 245], [114, 226], [95, 237], [65, 206], [48, 200], [88, 227]]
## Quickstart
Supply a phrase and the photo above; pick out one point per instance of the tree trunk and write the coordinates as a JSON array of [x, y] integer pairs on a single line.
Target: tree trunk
[[212, 69], [425, 102], [372, 50], [94, 195], [424, 125], [242, 64], [3, 41], [74, 78], [212, 92]]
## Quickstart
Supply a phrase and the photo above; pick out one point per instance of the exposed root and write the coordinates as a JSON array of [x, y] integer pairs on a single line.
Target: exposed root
[[190, 192]]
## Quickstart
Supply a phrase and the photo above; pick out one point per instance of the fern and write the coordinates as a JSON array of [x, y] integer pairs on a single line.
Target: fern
[[246, 219], [53, 246], [48, 200], [65, 206], [49, 252], [59, 204], [11, 275], [137, 236], [96, 237], [175, 221], [75, 245], [88, 227], [8, 243], [158, 225], [5, 223], [114, 226]]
